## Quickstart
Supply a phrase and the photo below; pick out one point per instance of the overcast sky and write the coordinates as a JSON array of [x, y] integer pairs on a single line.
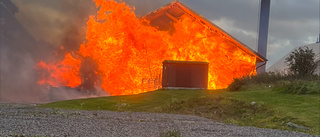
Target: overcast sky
[[293, 23]]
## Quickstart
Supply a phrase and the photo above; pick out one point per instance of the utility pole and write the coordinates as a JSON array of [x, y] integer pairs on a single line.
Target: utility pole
[[263, 33]]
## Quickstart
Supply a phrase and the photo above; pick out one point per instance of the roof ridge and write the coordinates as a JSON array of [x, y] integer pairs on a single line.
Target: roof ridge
[[210, 24]]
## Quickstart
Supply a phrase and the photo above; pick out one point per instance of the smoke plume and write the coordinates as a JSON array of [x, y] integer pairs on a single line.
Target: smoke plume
[[40, 30]]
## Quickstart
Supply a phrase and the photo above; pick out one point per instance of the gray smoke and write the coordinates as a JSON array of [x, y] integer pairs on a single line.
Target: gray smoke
[[59, 22], [36, 32]]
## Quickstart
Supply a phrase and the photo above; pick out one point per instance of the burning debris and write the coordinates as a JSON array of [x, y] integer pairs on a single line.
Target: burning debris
[[123, 53]]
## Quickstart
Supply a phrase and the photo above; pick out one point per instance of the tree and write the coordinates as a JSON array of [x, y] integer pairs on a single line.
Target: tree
[[301, 62]]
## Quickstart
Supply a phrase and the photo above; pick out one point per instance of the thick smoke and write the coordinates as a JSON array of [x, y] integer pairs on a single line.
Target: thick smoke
[[58, 22], [37, 32], [46, 30], [143, 7]]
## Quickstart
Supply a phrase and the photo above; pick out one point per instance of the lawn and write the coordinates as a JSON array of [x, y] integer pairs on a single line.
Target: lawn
[[148, 102], [303, 108], [272, 109]]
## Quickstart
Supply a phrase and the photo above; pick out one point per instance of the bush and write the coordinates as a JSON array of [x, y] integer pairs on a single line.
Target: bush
[[301, 62], [237, 85], [265, 78], [302, 87], [274, 79]]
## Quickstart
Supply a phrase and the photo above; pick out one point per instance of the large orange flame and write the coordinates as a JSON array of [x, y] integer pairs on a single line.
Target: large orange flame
[[128, 52]]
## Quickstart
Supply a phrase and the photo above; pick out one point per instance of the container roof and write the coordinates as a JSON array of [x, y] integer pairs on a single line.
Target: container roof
[[183, 62], [164, 17]]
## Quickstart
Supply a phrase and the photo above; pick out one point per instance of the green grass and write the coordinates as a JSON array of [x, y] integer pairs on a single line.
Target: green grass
[[149, 101], [174, 133], [305, 109], [273, 108]]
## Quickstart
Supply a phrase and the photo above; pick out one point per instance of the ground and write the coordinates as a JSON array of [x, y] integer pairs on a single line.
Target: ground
[[30, 120]]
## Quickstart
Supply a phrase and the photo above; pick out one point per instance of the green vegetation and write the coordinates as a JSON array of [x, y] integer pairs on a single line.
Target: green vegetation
[[174, 133], [290, 96], [149, 102], [284, 83], [269, 101], [301, 87], [301, 62], [303, 110]]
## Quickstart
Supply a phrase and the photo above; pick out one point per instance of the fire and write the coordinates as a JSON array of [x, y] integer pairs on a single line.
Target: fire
[[128, 52], [62, 73]]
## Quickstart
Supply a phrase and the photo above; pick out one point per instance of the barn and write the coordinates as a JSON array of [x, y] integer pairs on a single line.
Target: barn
[[167, 17]]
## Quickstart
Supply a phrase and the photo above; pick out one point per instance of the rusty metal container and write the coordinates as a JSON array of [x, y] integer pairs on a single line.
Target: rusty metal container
[[184, 75]]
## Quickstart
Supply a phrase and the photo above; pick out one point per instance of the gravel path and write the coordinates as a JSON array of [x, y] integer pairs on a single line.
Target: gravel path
[[22, 119]]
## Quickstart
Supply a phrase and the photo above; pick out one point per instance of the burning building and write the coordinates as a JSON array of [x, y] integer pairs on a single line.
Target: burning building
[[173, 13], [126, 52]]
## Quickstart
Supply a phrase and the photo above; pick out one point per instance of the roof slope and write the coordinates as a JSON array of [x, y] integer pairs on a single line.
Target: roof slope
[[164, 17]]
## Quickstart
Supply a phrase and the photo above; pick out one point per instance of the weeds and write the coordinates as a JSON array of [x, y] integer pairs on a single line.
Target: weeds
[[220, 108], [173, 133], [301, 87], [288, 83], [233, 111]]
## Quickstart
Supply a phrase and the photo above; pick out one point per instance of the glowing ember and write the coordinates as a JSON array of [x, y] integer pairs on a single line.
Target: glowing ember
[[129, 53]]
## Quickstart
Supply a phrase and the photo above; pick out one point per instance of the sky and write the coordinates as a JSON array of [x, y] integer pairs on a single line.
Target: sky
[[293, 23]]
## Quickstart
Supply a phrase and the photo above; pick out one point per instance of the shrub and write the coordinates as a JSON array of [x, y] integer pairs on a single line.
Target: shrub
[[302, 87], [274, 79], [237, 85], [301, 62]]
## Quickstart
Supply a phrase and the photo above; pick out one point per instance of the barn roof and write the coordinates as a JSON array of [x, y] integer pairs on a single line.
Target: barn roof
[[174, 11]]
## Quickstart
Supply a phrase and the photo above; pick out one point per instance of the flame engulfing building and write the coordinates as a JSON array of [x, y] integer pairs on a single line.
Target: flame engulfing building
[[128, 51], [166, 17]]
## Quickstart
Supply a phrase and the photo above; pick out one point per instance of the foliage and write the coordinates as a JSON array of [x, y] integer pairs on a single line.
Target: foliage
[[221, 108], [302, 87], [173, 133], [237, 85], [301, 62], [271, 80], [264, 78]]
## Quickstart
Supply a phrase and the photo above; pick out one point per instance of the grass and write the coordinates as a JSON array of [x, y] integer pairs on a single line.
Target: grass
[[267, 101], [302, 109], [273, 109], [149, 102], [174, 133]]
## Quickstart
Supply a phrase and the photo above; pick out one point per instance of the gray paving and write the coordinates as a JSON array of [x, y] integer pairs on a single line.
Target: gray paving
[[29, 120]]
